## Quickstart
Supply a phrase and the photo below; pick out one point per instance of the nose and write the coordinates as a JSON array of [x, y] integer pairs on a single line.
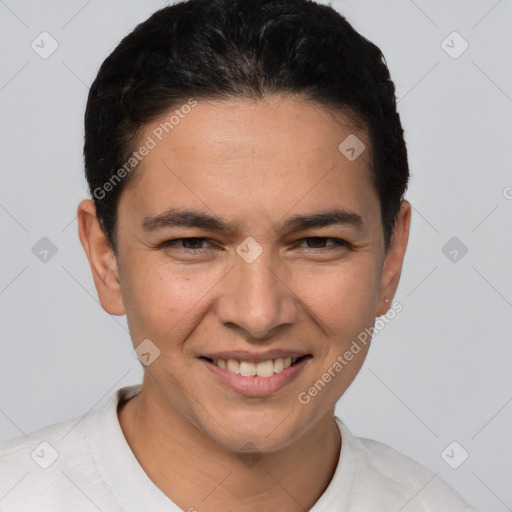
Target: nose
[[256, 298]]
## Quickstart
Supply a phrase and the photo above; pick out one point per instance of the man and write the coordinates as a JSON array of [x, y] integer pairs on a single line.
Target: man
[[247, 168]]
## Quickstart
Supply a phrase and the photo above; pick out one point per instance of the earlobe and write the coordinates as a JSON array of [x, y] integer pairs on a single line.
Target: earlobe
[[101, 258], [393, 262]]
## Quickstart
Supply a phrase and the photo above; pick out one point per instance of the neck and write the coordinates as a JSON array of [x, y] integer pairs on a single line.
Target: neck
[[198, 474]]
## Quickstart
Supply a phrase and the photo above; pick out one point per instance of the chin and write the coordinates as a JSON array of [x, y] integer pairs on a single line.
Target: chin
[[268, 432]]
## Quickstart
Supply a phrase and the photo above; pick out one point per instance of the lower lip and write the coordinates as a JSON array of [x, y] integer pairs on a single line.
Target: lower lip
[[257, 386]]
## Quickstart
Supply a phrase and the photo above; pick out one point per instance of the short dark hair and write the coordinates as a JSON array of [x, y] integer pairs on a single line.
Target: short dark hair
[[228, 49]]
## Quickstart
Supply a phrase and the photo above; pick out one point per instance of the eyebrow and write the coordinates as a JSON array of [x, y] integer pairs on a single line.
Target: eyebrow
[[197, 219]]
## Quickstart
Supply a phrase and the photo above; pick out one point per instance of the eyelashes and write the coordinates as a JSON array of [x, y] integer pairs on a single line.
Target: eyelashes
[[179, 244], [337, 241]]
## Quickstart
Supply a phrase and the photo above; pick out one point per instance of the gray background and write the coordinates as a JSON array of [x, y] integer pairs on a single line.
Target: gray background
[[438, 373]]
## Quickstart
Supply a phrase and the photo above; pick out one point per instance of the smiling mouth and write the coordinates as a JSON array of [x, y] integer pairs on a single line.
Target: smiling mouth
[[261, 369]]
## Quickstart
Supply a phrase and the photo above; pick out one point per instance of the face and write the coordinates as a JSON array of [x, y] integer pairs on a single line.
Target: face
[[250, 244]]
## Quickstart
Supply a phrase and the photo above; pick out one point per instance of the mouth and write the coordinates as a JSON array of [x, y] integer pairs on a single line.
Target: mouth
[[263, 369], [256, 378]]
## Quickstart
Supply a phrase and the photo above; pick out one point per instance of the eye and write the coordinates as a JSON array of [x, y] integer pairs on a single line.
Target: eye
[[319, 242], [193, 244]]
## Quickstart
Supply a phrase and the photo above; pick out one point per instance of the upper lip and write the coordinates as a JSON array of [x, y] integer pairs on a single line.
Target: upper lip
[[255, 357]]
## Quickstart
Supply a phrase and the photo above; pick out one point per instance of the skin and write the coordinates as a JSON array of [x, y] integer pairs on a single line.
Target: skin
[[252, 163]]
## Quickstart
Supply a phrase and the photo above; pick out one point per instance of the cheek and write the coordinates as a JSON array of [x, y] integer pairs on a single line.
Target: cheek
[[344, 299], [345, 303], [162, 302]]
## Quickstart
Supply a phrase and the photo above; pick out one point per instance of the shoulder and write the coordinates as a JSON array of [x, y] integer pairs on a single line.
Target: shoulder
[[57, 468], [39, 449], [39, 465], [397, 479]]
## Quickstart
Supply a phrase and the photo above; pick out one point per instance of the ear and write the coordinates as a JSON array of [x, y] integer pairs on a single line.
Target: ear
[[101, 258], [394, 258]]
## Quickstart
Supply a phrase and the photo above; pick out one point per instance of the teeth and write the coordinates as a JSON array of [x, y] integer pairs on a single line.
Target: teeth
[[247, 369], [232, 366], [278, 365], [264, 369], [250, 369]]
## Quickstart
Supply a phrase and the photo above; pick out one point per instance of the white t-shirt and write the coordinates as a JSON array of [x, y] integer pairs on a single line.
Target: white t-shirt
[[86, 465]]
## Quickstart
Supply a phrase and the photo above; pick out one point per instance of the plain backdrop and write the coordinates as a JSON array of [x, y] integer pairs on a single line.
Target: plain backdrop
[[438, 373]]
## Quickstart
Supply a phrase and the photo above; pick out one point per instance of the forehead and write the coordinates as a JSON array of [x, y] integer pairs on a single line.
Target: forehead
[[257, 159]]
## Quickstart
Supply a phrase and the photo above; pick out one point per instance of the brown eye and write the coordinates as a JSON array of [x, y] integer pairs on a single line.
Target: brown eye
[[186, 244], [317, 242]]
